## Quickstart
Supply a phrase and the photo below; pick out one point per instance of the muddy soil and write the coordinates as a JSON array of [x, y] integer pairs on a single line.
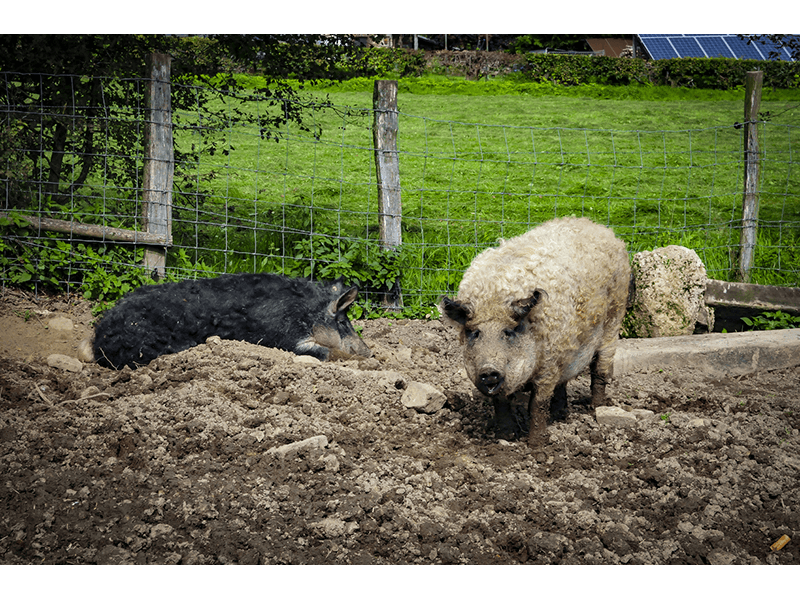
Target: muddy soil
[[233, 453]]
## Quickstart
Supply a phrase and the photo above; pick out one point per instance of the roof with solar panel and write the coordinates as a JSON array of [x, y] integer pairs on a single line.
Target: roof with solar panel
[[666, 45]]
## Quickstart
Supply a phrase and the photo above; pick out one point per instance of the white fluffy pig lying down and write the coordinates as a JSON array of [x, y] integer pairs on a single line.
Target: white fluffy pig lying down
[[535, 311]]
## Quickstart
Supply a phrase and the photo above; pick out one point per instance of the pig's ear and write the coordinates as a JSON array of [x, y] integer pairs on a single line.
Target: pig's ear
[[523, 308], [455, 311], [343, 302]]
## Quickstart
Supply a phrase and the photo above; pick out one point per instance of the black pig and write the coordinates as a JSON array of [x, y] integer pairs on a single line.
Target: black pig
[[270, 310]]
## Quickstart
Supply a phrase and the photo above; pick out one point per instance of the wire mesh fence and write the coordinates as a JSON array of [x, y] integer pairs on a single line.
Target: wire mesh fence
[[302, 199]]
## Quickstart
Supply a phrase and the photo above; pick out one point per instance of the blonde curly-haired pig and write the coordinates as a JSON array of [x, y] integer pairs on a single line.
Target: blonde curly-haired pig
[[534, 312]]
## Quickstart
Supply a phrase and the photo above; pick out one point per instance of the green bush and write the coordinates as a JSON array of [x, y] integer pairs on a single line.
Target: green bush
[[101, 271], [705, 73], [574, 69], [397, 62]]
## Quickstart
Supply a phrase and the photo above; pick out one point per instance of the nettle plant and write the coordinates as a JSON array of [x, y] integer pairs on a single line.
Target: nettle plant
[[772, 320], [376, 271], [102, 273]]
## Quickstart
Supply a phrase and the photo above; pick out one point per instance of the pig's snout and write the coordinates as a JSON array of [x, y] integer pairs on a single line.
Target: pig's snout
[[355, 345], [491, 380]]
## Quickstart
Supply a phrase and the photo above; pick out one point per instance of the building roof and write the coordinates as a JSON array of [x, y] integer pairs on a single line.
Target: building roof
[[609, 46]]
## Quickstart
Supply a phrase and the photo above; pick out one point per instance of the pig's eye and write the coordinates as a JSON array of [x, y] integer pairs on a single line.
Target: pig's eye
[[513, 333], [472, 334]]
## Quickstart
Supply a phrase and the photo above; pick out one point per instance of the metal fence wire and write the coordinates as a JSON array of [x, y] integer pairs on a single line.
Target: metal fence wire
[[302, 200]]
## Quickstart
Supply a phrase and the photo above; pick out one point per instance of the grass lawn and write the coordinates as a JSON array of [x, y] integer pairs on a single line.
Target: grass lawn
[[474, 168]]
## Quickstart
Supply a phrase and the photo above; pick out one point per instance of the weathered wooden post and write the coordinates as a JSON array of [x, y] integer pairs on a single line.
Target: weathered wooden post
[[387, 168], [159, 162], [752, 104]]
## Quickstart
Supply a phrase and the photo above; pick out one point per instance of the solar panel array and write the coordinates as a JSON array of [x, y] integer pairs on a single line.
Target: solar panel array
[[709, 46]]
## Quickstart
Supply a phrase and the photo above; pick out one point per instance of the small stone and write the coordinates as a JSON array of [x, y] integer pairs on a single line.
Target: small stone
[[305, 359], [697, 423], [65, 363], [318, 441], [160, 529], [331, 463], [614, 416], [85, 350], [60, 324], [90, 391], [717, 557], [246, 364], [642, 414], [423, 397], [215, 343], [330, 527]]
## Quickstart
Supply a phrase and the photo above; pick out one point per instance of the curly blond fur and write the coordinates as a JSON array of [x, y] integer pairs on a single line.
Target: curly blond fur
[[581, 272], [577, 262]]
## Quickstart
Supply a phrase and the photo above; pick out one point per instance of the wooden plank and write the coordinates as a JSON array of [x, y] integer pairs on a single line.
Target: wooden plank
[[751, 296], [752, 105], [112, 234], [159, 160]]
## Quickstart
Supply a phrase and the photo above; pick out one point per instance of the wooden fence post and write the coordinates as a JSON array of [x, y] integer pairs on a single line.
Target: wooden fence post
[[159, 162], [387, 168], [752, 104]]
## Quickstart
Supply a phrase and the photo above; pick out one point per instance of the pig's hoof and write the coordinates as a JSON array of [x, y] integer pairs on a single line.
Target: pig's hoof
[[506, 433], [558, 414], [510, 428], [537, 440]]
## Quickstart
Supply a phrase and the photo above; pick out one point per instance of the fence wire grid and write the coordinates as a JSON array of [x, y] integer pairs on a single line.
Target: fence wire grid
[[303, 200]]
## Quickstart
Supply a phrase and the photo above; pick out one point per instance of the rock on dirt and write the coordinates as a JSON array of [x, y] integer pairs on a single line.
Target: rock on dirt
[[614, 416], [669, 292], [230, 453], [65, 363], [423, 397]]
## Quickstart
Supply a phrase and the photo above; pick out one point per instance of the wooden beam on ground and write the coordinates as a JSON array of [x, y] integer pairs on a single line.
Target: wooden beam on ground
[[756, 297]]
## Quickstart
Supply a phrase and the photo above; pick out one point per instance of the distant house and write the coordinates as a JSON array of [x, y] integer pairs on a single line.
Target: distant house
[[612, 46], [389, 40]]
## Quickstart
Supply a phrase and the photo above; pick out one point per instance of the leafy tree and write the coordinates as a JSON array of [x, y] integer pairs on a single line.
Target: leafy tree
[[72, 105]]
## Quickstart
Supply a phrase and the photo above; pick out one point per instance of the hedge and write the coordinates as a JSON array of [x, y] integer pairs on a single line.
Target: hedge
[[707, 73], [573, 69]]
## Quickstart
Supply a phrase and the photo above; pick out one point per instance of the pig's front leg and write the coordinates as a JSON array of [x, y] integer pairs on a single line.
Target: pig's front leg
[[538, 410], [505, 426]]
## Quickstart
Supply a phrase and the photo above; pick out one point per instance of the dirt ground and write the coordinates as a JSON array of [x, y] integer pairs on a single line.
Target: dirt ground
[[216, 455]]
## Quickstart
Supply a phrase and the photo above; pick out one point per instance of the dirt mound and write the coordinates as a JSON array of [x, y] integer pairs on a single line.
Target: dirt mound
[[233, 453]]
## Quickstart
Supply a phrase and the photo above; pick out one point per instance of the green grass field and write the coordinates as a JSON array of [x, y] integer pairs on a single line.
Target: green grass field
[[474, 168]]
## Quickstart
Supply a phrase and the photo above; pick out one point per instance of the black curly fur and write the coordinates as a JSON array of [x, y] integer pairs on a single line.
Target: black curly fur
[[265, 309]]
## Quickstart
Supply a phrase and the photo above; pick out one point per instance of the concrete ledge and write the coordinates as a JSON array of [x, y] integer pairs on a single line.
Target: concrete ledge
[[715, 353]]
